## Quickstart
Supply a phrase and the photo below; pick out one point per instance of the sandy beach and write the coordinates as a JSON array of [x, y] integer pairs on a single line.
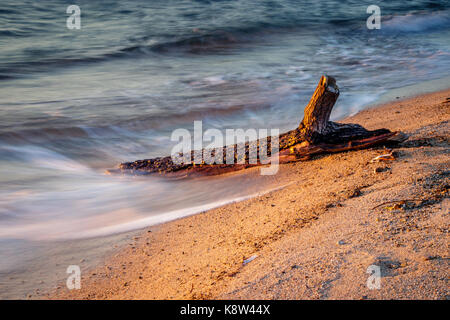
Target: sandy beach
[[316, 237]]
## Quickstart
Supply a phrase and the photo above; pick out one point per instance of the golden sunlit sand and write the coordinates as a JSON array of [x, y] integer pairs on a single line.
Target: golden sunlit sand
[[315, 238]]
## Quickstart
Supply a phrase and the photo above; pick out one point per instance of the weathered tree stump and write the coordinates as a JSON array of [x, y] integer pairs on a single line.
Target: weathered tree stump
[[316, 134]]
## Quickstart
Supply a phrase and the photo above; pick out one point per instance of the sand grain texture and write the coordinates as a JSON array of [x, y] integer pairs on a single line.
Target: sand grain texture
[[315, 238]]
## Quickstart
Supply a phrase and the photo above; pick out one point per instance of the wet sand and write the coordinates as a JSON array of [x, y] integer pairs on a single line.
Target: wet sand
[[314, 238]]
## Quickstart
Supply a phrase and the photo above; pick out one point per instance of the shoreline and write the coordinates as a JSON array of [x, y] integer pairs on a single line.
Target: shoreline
[[410, 91], [202, 256]]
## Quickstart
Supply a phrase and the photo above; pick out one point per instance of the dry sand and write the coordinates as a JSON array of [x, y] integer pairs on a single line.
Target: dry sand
[[315, 238]]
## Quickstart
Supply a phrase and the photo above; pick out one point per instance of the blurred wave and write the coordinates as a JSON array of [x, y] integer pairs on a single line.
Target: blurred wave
[[74, 103]]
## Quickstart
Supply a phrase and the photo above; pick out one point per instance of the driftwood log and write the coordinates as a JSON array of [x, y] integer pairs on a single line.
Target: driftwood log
[[316, 134]]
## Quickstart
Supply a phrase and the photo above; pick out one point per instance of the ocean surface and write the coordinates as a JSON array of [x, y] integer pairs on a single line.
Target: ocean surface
[[74, 103]]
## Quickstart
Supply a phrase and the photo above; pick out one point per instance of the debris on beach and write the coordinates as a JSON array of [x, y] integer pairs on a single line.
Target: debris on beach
[[381, 169], [248, 260], [384, 157]]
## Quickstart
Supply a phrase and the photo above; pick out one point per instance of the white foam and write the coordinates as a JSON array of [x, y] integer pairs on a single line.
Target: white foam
[[65, 229], [416, 22], [44, 158]]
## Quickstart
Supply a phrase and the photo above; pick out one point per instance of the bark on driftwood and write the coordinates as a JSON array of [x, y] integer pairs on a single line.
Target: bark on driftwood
[[316, 134]]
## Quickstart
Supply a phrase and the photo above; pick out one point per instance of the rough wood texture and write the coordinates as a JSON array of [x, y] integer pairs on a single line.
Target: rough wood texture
[[315, 135], [317, 112], [316, 126]]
